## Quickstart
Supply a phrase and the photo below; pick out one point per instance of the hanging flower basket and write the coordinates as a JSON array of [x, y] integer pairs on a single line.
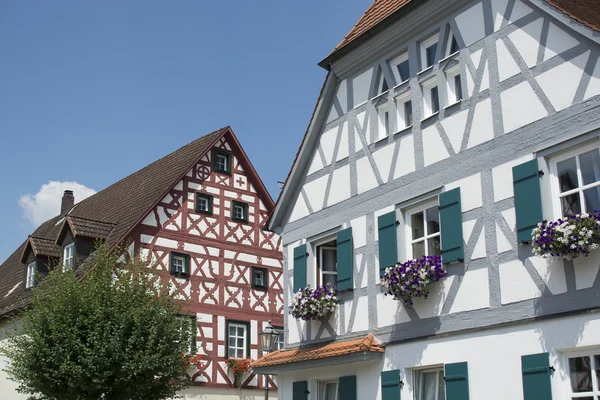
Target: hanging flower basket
[[568, 237], [314, 304], [192, 361], [408, 280], [238, 366]]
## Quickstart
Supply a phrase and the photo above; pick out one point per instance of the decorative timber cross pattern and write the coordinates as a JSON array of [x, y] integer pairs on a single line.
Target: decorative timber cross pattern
[[240, 181]]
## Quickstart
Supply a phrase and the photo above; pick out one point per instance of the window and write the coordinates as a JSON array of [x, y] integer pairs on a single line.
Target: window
[[187, 332], [452, 45], [239, 211], [328, 390], [222, 161], [584, 377], [180, 264], [327, 264], [431, 97], [404, 107], [382, 85], [31, 270], [423, 231], [204, 203], [435, 100], [429, 384], [280, 340], [384, 122], [429, 52], [401, 68], [260, 278], [578, 182], [238, 345], [68, 256], [454, 83]]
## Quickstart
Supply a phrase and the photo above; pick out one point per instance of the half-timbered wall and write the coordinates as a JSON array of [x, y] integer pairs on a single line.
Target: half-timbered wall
[[222, 253], [530, 80]]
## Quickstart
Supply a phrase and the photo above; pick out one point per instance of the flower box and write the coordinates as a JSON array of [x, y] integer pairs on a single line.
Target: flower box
[[238, 366], [314, 304], [409, 280], [568, 237]]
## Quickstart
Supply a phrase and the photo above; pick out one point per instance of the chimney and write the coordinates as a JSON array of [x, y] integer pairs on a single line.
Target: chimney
[[68, 201]]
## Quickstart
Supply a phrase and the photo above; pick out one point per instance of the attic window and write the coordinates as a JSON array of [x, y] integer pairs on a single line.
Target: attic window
[[401, 68], [222, 161], [204, 203], [68, 256], [429, 52], [31, 270], [382, 85], [239, 211]]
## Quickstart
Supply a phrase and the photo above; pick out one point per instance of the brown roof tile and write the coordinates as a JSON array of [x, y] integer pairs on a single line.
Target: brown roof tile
[[586, 12], [335, 349], [44, 247], [90, 228]]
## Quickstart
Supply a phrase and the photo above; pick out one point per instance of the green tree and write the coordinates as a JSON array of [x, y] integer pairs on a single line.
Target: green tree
[[113, 334]]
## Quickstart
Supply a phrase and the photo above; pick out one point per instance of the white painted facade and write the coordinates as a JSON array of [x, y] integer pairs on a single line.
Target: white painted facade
[[530, 83]]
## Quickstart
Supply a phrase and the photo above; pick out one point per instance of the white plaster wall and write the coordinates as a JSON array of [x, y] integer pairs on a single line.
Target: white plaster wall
[[493, 357], [211, 393], [7, 387]]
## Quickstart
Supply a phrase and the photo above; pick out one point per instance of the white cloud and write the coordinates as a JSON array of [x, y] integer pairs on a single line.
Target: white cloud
[[45, 204]]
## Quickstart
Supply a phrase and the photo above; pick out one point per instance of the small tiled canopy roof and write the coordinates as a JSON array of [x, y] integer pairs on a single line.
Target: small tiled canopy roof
[[381, 12], [365, 344]]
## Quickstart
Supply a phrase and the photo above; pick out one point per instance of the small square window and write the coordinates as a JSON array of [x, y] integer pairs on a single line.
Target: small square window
[[204, 203], [180, 264], [31, 271], [222, 161], [429, 384], [260, 278], [239, 211], [238, 344]]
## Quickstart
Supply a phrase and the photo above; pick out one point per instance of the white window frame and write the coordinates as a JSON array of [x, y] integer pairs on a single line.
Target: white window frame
[[203, 200], [262, 277], [175, 258], [68, 261], [425, 44], [401, 116], [394, 64], [245, 338], [555, 186], [316, 271], [448, 50], [428, 87], [383, 131], [238, 207], [566, 380], [31, 271], [322, 385], [416, 378], [220, 157], [451, 74], [408, 212]]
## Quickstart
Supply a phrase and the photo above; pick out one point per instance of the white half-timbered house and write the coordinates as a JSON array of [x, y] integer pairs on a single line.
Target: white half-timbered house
[[447, 128]]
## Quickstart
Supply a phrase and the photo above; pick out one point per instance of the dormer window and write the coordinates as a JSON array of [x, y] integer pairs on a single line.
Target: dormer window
[[401, 68], [68, 256], [31, 271], [429, 52], [222, 161]]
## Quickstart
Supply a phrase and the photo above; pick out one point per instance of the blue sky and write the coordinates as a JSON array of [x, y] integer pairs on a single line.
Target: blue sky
[[93, 91]]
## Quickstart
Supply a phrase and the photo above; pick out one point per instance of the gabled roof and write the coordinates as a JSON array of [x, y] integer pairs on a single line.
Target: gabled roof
[[383, 12], [113, 212], [335, 349]]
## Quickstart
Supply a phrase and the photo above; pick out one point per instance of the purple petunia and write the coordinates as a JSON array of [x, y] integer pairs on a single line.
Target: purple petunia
[[313, 304]]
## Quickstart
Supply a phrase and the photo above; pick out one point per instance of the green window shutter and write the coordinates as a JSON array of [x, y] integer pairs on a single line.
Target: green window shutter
[[388, 245], [347, 388], [299, 267], [187, 265], [536, 377], [345, 260], [300, 390], [528, 199], [457, 381], [390, 385], [451, 226], [193, 331]]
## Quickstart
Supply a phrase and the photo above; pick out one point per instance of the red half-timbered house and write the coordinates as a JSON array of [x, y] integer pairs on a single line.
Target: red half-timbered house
[[198, 214]]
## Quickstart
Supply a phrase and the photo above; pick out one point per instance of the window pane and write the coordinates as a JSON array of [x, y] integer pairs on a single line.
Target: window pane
[[580, 374], [418, 249], [454, 47], [329, 260], [429, 385], [567, 174], [232, 330], [592, 199], [435, 100], [231, 341], [597, 362], [239, 353], [330, 279], [330, 391], [417, 225], [590, 166], [433, 220], [431, 52], [408, 113], [434, 247], [240, 343], [457, 87], [570, 204], [404, 70]]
